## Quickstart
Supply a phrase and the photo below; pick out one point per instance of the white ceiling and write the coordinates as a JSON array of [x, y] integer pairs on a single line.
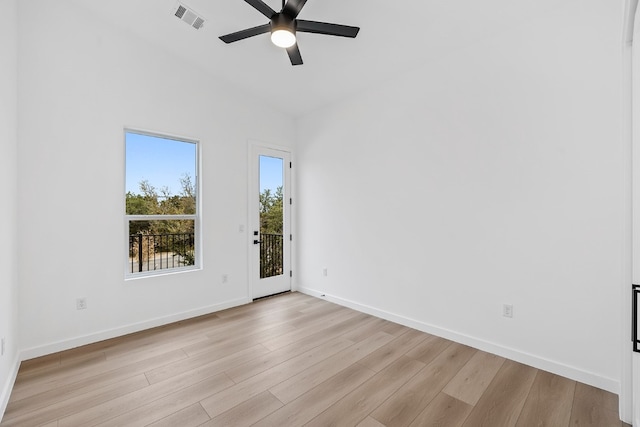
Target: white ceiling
[[394, 36]]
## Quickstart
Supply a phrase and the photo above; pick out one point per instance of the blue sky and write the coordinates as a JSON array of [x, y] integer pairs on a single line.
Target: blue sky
[[160, 161], [270, 173], [163, 162]]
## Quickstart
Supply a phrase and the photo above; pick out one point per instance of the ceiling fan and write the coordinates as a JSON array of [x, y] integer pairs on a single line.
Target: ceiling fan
[[283, 26]]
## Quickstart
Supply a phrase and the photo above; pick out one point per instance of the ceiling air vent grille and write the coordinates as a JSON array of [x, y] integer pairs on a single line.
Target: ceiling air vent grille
[[198, 23], [181, 10], [188, 15]]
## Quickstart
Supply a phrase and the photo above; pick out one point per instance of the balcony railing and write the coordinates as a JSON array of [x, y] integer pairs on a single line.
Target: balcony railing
[[271, 255], [149, 252]]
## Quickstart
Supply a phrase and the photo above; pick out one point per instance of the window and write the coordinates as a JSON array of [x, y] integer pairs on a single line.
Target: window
[[161, 208]]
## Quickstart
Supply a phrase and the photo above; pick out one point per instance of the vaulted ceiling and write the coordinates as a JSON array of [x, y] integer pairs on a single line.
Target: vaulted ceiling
[[394, 37]]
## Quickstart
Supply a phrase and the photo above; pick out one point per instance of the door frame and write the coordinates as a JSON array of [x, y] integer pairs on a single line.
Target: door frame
[[256, 148], [630, 372]]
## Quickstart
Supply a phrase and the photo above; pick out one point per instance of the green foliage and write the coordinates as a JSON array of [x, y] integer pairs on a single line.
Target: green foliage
[[151, 201], [271, 214]]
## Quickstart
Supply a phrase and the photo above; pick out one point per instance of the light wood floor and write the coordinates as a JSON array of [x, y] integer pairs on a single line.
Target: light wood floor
[[294, 360]]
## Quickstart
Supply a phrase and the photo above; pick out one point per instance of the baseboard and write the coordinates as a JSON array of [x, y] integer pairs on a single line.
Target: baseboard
[[635, 417], [128, 329], [7, 387], [557, 368]]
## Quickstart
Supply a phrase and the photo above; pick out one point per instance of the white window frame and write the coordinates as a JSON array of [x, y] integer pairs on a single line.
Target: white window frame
[[195, 218]]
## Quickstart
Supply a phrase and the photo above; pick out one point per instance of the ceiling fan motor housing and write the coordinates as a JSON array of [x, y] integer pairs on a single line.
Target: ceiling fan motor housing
[[280, 21]]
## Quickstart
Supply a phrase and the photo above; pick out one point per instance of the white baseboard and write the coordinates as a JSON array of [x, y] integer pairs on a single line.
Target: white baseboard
[[127, 329], [635, 406], [557, 368], [5, 394]]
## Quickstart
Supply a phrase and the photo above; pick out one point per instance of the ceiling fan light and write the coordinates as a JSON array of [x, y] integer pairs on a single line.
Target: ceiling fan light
[[283, 38]]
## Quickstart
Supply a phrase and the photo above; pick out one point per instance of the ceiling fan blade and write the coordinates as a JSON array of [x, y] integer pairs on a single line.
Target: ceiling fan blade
[[293, 8], [244, 34], [326, 28], [294, 55], [262, 7]]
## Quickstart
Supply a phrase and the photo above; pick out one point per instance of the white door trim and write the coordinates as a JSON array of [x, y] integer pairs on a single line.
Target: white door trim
[[630, 372]]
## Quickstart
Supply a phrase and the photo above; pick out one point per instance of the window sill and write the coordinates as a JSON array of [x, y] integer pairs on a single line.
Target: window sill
[[159, 273]]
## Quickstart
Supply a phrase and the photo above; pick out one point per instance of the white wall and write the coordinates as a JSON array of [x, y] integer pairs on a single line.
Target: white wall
[[81, 81], [8, 189], [491, 176]]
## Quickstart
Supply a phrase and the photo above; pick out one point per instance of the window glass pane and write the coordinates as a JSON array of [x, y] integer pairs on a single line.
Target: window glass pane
[[160, 176], [161, 244]]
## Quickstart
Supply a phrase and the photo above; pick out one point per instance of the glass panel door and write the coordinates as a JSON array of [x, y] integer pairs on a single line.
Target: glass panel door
[[270, 215]]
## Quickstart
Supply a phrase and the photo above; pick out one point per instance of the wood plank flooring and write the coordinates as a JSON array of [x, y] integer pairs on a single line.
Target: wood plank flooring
[[295, 360]]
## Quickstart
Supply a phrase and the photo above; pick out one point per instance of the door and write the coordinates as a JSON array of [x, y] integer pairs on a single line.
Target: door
[[270, 217]]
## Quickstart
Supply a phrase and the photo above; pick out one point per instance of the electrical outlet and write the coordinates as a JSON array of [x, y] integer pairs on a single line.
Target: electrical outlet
[[507, 310], [324, 272], [2, 346], [81, 303], [225, 278]]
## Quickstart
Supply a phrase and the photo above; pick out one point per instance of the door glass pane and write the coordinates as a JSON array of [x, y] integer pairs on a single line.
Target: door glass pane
[[271, 216]]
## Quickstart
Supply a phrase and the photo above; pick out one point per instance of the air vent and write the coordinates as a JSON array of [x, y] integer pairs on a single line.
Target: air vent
[[198, 23], [181, 10], [188, 15]]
